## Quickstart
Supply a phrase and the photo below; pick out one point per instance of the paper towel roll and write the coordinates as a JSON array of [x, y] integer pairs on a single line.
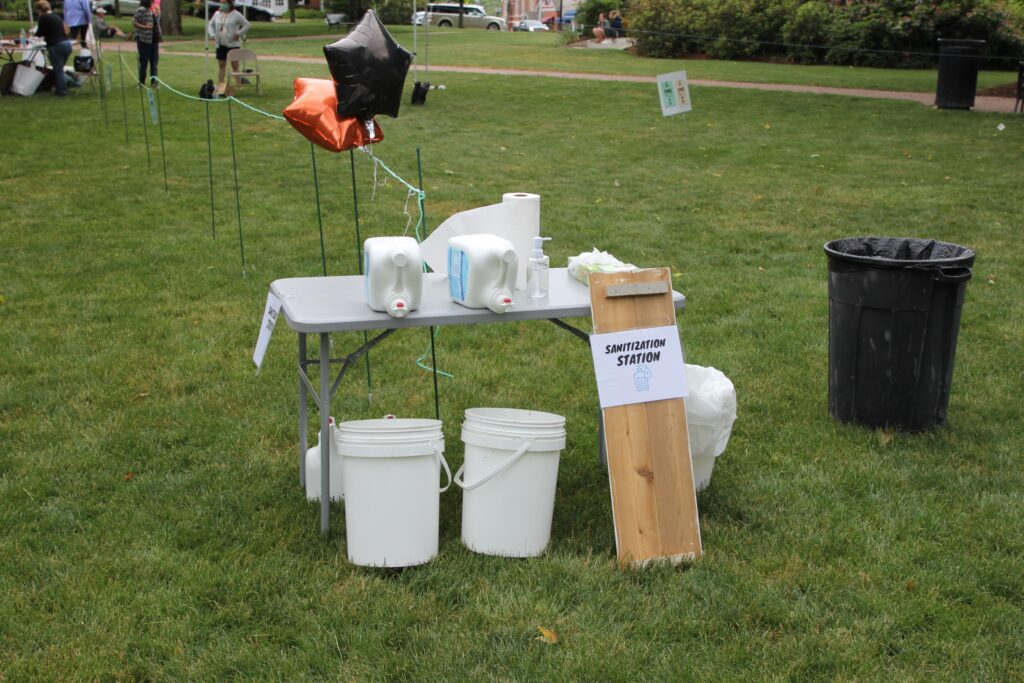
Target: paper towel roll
[[516, 218]]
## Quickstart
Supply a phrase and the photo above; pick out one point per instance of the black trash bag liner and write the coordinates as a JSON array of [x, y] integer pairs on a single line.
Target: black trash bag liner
[[900, 252], [369, 69]]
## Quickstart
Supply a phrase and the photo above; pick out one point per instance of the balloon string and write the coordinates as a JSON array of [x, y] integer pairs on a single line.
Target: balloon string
[[378, 162]]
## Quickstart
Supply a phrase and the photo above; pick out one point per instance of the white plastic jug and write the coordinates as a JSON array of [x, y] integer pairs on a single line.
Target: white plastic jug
[[313, 469], [482, 271], [508, 480], [392, 499], [393, 275]]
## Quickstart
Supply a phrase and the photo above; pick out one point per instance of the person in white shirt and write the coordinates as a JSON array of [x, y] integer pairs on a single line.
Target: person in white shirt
[[228, 27]]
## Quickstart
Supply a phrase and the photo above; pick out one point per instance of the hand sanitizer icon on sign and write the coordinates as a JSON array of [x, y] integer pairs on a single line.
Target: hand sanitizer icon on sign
[[642, 378]]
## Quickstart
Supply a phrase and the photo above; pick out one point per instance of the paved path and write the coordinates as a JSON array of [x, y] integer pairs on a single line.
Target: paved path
[[984, 104]]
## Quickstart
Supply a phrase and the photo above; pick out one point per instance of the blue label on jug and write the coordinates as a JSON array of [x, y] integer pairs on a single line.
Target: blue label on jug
[[457, 265]]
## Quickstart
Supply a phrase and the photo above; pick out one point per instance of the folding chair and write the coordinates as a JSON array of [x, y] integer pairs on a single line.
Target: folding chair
[[248, 67]]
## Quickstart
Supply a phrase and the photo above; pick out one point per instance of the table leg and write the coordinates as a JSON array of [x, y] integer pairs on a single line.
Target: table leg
[[325, 432], [303, 423]]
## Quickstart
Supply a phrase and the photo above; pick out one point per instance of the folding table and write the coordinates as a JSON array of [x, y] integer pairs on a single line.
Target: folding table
[[321, 305]]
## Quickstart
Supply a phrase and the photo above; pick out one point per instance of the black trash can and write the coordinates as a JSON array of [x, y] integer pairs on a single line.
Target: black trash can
[[893, 317], [958, 73]]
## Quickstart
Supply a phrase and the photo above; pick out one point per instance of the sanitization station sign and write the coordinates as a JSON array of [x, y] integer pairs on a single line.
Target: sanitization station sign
[[638, 366]]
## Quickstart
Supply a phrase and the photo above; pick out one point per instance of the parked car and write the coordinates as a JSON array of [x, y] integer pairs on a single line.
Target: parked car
[[197, 8], [446, 15], [530, 25], [128, 7]]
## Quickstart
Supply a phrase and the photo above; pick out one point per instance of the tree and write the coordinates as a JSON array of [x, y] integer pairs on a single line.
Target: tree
[[170, 18]]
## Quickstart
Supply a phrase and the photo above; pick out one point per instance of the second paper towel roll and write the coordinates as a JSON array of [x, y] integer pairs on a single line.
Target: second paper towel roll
[[516, 218]]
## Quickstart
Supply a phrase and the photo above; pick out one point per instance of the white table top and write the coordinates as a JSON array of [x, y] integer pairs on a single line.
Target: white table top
[[337, 304]]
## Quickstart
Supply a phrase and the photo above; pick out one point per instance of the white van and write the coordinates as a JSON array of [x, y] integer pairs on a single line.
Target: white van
[[446, 15]]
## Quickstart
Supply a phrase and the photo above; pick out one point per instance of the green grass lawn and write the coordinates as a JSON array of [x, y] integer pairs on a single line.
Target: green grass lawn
[[153, 525]]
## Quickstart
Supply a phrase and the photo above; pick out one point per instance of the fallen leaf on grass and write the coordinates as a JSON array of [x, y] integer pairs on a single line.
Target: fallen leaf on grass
[[885, 436], [906, 153], [761, 268], [767, 126], [142, 394], [547, 635], [911, 585], [129, 476], [758, 197], [991, 279], [503, 148]]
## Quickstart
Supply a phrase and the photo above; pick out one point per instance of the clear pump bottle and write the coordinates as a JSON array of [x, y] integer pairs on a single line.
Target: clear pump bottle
[[537, 270]]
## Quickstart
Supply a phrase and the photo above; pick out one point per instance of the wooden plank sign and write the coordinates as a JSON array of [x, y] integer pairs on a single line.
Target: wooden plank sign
[[654, 503]]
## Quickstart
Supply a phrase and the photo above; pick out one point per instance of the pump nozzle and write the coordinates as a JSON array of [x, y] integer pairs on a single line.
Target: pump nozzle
[[538, 246]]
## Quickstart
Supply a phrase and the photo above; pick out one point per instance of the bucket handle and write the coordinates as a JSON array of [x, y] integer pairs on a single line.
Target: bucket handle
[[439, 452], [460, 482], [961, 274]]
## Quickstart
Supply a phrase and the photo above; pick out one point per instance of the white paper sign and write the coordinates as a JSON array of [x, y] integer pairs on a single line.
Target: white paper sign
[[638, 366], [674, 93], [270, 312]]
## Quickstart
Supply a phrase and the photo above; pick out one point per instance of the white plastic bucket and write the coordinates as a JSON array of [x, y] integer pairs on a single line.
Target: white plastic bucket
[[508, 480], [26, 80], [392, 506]]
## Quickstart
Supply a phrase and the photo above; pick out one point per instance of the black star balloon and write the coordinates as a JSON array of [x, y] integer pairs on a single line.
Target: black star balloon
[[369, 70]]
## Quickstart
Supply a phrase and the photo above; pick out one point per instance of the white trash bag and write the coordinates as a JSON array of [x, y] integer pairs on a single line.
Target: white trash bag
[[710, 413]]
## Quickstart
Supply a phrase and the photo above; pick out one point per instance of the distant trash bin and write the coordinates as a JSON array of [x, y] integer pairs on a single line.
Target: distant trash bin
[[894, 315], [958, 73]]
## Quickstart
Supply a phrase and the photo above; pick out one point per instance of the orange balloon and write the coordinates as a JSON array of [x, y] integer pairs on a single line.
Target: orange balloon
[[314, 113]]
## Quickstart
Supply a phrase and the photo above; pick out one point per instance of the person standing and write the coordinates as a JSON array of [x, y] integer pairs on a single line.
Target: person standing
[[147, 38], [228, 27], [58, 46], [78, 15]]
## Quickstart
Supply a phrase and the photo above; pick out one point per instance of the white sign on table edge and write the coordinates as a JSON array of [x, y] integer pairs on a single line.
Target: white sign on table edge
[[674, 93], [638, 366], [270, 312]]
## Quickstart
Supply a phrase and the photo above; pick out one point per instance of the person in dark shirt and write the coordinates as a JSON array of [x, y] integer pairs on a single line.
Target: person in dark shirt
[[147, 39], [58, 46], [616, 30]]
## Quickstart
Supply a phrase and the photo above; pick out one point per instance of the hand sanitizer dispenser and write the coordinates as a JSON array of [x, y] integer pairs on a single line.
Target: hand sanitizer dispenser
[[393, 275], [538, 270], [482, 271]]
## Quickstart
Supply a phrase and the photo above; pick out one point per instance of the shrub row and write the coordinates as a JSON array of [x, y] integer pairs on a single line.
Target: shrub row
[[890, 33]]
